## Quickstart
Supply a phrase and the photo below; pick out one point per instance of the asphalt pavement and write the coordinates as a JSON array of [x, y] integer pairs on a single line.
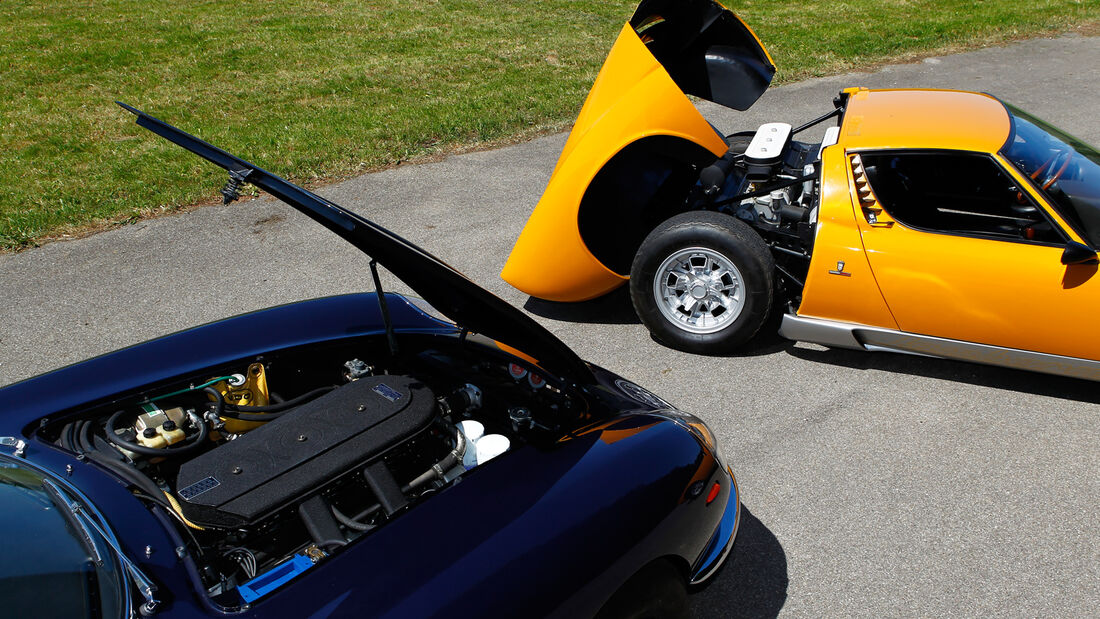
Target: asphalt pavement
[[873, 484]]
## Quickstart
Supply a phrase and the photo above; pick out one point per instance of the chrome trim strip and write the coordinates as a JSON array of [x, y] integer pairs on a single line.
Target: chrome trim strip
[[861, 337], [827, 333]]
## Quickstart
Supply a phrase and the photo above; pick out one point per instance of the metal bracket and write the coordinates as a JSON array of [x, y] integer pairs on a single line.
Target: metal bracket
[[19, 444], [232, 189]]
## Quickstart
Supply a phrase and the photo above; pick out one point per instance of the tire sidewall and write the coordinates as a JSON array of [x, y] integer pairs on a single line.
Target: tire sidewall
[[716, 232]]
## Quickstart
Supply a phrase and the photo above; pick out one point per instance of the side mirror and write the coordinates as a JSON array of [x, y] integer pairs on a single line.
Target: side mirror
[[1077, 253]]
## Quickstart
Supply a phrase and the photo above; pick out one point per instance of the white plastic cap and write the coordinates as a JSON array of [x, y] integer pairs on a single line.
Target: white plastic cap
[[491, 446], [472, 430]]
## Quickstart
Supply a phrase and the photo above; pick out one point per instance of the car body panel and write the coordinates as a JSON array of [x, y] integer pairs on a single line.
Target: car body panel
[[1001, 293], [916, 118], [721, 543], [1015, 295], [550, 259], [862, 337], [708, 50], [839, 283], [636, 97]]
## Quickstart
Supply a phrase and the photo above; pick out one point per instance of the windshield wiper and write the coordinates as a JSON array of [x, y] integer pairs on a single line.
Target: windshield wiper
[[70, 515], [75, 513]]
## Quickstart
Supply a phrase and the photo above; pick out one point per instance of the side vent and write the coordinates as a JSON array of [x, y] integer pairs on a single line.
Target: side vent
[[872, 210]]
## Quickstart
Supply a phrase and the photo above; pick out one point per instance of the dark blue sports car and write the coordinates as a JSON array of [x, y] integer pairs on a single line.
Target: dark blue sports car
[[367, 455]]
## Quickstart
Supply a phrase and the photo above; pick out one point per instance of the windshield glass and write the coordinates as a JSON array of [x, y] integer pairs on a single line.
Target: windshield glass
[[1064, 168], [50, 568]]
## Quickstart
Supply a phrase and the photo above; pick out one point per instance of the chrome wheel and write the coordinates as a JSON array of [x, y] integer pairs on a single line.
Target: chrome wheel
[[699, 290]]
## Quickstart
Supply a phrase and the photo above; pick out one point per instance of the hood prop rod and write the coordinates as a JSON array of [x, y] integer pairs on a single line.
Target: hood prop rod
[[390, 339]]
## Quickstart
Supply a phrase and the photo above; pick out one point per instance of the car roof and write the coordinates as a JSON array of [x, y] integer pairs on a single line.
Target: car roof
[[911, 118]]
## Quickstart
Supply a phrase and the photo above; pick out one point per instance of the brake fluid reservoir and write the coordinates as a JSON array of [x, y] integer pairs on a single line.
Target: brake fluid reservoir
[[171, 432], [150, 426]]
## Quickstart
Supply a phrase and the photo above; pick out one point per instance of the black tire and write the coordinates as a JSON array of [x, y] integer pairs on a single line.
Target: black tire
[[710, 236], [657, 591]]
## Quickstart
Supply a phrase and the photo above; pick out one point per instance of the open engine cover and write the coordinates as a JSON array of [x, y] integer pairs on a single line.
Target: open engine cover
[[247, 479]]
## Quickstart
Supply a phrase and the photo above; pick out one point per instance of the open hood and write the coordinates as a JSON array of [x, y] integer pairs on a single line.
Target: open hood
[[637, 146], [470, 306], [708, 51]]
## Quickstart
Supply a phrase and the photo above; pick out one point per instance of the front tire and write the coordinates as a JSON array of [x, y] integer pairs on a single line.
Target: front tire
[[703, 282]]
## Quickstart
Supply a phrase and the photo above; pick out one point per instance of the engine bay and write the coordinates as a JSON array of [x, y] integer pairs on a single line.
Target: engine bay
[[772, 182], [271, 465]]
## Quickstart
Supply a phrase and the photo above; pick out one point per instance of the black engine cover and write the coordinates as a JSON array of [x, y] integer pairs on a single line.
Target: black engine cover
[[243, 481]]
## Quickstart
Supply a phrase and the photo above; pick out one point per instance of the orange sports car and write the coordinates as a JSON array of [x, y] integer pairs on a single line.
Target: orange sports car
[[940, 223]]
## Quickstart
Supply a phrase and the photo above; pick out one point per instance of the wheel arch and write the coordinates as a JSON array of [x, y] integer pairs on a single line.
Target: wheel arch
[[629, 599], [640, 186]]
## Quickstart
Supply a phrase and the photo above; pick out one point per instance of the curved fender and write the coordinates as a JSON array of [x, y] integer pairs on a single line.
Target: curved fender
[[633, 98], [555, 527]]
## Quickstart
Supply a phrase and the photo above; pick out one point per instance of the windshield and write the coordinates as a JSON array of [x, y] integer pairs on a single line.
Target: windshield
[[53, 566], [1064, 168]]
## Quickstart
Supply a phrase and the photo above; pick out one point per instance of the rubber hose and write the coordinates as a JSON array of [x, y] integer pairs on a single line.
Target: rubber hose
[[65, 440], [85, 439], [73, 433], [441, 467], [367, 512], [348, 522], [221, 410], [282, 406], [132, 475]]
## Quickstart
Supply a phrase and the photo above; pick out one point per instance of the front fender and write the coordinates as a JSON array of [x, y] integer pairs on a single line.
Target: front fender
[[633, 99], [549, 529]]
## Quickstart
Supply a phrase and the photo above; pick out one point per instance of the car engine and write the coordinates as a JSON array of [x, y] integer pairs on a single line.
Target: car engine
[[772, 182], [273, 464]]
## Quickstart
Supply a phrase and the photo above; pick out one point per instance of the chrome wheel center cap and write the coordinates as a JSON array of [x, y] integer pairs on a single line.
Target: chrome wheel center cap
[[698, 290]]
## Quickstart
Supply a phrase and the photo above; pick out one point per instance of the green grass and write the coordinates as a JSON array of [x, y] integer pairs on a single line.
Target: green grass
[[322, 90]]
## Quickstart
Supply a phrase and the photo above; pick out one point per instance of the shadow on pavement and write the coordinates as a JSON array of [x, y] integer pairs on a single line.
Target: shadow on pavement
[[753, 581], [959, 371], [614, 308], [766, 341]]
